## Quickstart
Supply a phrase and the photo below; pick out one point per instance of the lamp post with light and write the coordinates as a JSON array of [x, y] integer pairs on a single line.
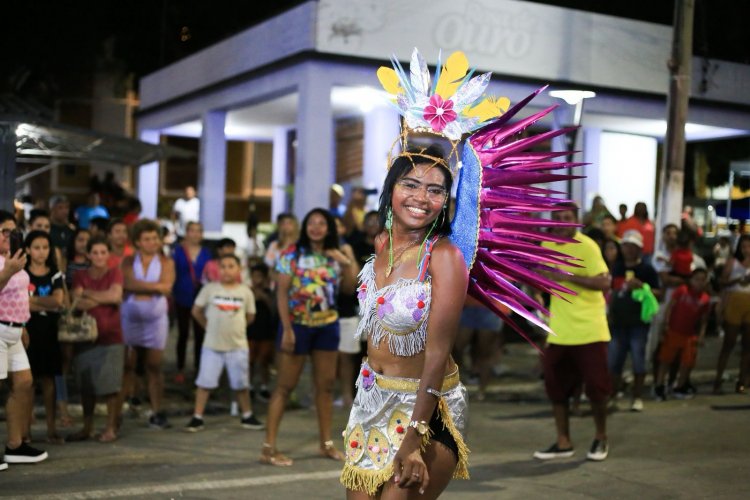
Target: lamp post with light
[[573, 98]]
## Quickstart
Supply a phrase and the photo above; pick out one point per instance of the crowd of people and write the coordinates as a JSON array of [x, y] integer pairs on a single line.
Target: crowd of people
[[298, 298]]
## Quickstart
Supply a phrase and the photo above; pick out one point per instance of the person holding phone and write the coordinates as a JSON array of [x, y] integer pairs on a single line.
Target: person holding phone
[[14, 363]]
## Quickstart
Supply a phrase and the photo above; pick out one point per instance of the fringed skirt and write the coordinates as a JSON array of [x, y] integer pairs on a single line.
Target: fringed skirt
[[380, 415]]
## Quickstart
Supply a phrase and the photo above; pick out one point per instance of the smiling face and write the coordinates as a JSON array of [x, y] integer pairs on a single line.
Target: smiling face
[[316, 228], [99, 256], [419, 196]]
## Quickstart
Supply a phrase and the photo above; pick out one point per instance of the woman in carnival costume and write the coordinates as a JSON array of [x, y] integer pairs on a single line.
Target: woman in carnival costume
[[405, 434]]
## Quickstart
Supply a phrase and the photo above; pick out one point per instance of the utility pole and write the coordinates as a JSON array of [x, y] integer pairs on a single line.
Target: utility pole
[[673, 166]]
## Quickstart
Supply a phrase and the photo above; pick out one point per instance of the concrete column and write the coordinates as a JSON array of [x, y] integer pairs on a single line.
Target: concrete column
[[212, 172], [381, 130], [314, 157], [147, 185], [7, 166], [280, 177]]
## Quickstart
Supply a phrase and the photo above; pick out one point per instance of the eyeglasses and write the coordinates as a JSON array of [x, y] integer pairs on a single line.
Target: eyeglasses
[[433, 193]]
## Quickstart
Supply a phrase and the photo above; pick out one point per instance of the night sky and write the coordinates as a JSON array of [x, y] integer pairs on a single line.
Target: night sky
[[52, 47]]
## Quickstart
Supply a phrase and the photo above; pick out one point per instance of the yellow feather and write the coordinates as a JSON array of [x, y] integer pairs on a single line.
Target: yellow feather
[[453, 71], [389, 80], [489, 108]]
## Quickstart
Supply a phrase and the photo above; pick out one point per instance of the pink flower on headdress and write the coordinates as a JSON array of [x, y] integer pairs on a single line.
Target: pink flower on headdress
[[439, 112]]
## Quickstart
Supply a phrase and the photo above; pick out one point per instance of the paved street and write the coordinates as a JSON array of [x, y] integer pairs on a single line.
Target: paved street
[[678, 449]]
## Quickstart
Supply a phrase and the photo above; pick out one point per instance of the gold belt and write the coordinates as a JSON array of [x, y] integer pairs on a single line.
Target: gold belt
[[399, 384]]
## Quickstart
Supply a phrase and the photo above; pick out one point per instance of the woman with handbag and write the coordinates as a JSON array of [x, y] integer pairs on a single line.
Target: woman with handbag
[[190, 257], [97, 291], [46, 295]]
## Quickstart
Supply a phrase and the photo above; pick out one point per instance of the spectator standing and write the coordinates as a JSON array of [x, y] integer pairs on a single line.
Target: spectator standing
[[578, 351], [255, 250], [736, 282], [622, 209], [480, 331], [187, 209], [46, 295], [308, 275], [117, 236], [262, 332], [635, 286], [609, 227], [597, 213], [287, 233], [354, 216], [641, 223], [92, 209], [133, 212], [148, 277], [14, 363], [190, 258], [99, 365], [684, 329], [224, 310], [225, 246], [61, 230]]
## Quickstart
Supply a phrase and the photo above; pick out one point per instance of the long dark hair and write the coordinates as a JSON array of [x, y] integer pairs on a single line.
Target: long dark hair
[[402, 166], [738, 255], [51, 261], [71, 250], [330, 241]]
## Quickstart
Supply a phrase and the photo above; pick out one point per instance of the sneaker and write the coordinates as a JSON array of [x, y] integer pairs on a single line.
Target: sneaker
[[158, 421], [252, 423], [636, 405], [195, 425], [598, 451], [554, 451], [660, 393], [3, 465], [264, 396], [683, 393], [24, 454]]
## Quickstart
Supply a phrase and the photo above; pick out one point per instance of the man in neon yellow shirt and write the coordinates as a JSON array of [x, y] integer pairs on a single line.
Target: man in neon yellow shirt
[[577, 353]]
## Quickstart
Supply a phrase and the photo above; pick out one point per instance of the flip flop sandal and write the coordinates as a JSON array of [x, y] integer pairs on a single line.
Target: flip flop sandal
[[274, 457]]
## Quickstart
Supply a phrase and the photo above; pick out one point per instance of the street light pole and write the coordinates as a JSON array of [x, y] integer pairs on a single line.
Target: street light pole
[[673, 168]]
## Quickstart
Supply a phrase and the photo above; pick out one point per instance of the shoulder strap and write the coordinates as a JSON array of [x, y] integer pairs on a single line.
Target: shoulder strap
[[425, 263]]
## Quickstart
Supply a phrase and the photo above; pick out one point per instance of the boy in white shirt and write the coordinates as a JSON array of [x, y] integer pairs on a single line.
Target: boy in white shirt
[[224, 309]]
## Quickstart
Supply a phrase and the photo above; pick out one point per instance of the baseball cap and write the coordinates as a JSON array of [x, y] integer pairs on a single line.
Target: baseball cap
[[633, 237]]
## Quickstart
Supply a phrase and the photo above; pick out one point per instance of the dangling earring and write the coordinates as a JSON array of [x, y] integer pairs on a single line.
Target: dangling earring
[[389, 228]]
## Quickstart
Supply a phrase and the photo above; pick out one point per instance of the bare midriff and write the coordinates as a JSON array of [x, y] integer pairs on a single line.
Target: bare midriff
[[382, 361]]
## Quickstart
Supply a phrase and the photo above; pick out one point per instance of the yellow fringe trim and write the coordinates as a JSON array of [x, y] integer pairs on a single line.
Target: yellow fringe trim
[[462, 467], [358, 479]]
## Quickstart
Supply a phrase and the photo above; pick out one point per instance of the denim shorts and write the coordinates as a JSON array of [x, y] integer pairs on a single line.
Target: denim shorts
[[628, 339], [313, 338], [480, 318]]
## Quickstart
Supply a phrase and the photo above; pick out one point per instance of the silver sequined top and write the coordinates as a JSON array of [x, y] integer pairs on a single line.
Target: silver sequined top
[[397, 312]]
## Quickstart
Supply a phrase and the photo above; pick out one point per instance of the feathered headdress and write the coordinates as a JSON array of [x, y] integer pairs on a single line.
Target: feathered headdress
[[496, 224]]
